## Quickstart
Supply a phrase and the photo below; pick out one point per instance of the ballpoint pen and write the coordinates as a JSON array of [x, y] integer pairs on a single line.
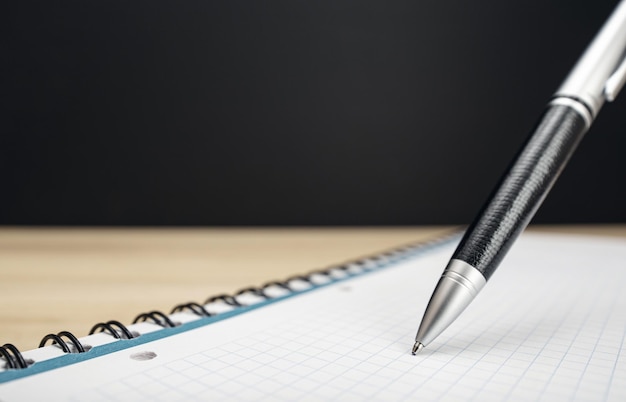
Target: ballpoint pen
[[597, 77]]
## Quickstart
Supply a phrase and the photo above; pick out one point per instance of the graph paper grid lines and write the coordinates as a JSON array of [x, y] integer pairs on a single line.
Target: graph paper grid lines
[[529, 336]]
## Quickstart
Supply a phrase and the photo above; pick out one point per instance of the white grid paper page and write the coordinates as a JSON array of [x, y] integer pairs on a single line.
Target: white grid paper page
[[550, 325]]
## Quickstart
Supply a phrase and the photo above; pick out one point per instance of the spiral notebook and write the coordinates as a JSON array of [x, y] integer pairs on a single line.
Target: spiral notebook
[[550, 325]]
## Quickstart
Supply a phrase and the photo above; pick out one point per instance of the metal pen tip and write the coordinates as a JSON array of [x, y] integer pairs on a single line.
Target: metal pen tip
[[417, 347]]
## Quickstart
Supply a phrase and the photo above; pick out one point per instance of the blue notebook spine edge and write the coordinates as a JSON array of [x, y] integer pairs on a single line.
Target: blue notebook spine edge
[[376, 263]]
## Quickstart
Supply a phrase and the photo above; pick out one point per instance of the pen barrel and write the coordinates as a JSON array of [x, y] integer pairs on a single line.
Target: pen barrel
[[522, 189]]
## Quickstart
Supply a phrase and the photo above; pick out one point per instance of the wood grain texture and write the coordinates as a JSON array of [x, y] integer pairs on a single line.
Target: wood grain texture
[[70, 279]]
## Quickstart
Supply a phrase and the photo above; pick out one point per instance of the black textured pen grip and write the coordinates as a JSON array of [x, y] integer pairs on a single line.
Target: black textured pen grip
[[522, 189]]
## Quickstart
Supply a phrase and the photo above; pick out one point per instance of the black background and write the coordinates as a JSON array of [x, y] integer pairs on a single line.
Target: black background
[[329, 112]]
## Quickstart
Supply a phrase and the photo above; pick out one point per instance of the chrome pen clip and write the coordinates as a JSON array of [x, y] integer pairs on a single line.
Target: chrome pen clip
[[615, 82]]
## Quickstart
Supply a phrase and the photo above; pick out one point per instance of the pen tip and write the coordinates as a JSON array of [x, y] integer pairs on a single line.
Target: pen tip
[[417, 347]]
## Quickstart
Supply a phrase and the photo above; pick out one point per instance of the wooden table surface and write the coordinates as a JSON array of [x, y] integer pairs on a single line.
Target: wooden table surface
[[56, 279]]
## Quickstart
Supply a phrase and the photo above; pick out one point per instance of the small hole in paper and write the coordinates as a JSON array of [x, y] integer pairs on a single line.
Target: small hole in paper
[[142, 356]]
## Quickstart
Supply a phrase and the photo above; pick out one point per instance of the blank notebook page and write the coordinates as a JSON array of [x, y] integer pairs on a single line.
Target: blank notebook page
[[549, 325]]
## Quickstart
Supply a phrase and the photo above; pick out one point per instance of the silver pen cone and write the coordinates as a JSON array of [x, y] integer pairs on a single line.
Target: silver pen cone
[[416, 348], [457, 287]]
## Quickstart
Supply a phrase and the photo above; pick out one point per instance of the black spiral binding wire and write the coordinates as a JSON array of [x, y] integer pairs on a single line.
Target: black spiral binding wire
[[14, 359], [302, 278], [279, 284], [163, 320], [156, 317], [194, 307], [228, 299], [12, 356], [260, 292], [120, 333], [58, 339]]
